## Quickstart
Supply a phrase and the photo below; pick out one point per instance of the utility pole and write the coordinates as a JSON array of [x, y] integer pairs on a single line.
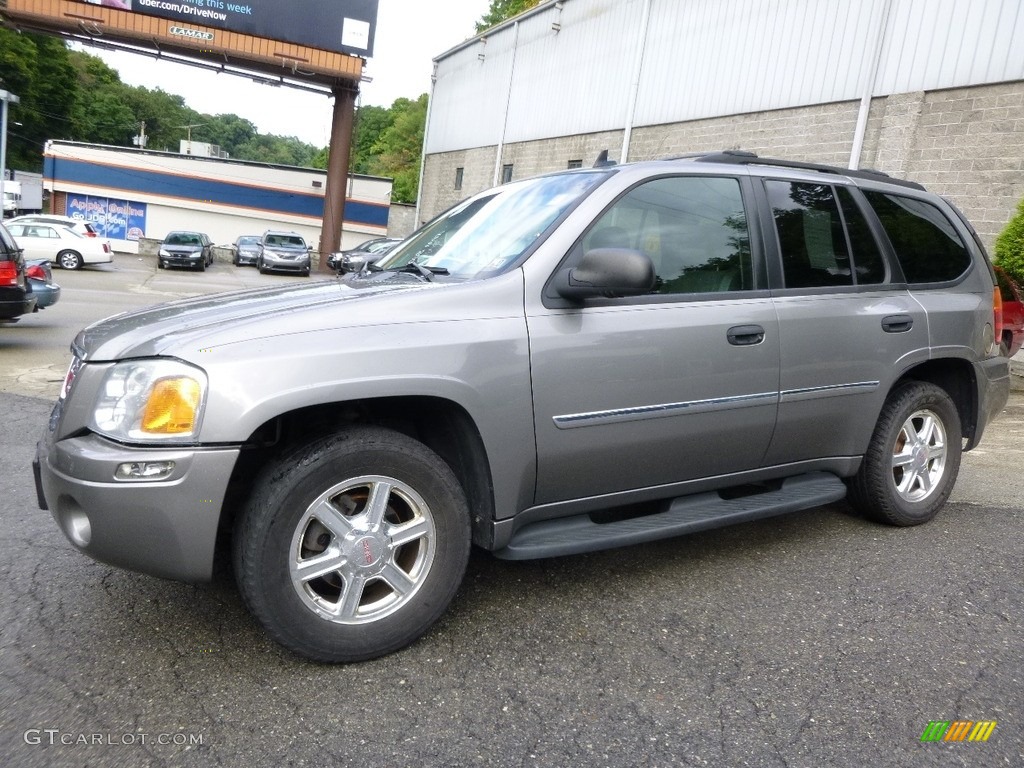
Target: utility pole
[[140, 140], [5, 96], [189, 139]]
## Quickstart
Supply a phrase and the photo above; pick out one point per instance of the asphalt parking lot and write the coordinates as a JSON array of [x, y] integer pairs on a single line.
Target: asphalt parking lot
[[815, 639]]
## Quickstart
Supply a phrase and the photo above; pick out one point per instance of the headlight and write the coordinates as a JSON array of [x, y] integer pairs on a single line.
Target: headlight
[[151, 400], [164, 252]]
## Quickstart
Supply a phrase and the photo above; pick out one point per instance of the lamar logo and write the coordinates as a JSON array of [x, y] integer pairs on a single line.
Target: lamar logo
[[958, 730], [195, 34]]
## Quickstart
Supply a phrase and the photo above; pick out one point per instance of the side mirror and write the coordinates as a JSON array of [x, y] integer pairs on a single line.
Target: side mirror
[[607, 273]]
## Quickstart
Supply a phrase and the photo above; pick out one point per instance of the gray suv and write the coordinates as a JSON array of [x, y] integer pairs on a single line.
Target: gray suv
[[587, 359]]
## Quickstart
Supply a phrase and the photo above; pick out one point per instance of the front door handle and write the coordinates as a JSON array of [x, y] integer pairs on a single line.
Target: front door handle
[[897, 323], [745, 335]]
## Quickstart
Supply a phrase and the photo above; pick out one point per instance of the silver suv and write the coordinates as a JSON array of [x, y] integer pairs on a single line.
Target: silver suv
[[586, 359]]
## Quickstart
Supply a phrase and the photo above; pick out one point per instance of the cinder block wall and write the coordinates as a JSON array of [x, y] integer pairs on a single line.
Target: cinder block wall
[[965, 143]]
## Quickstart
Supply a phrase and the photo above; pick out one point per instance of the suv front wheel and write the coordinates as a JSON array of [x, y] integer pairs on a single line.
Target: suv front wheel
[[913, 459], [352, 545]]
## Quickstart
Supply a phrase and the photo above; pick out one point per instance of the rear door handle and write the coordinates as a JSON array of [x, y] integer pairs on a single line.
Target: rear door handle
[[897, 323], [745, 335]]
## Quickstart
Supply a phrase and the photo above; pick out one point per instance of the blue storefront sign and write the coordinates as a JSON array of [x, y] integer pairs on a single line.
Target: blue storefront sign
[[112, 218]]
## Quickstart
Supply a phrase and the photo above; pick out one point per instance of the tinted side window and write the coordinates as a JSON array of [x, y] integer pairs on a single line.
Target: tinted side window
[[927, 245], [812, 242], [693, 228]]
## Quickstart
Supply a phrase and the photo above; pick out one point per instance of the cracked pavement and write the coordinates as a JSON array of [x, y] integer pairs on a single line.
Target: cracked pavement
[[809, 640]]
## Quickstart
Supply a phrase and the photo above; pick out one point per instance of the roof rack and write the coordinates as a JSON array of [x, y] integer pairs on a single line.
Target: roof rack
[[742, 157]]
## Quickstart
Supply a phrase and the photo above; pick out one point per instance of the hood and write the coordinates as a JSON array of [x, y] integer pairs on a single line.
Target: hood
[[181, 248], [187, 325]]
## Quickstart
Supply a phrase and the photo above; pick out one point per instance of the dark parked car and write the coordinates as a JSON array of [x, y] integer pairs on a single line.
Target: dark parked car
[[1013, 313], [245, 250], [369, 252], [283, 252], [16, 298], [186, 249], [39, 274]]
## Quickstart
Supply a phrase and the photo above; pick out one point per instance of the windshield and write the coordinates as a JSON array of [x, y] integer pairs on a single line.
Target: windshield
[[284, 241], [488, 233], [182, 238]]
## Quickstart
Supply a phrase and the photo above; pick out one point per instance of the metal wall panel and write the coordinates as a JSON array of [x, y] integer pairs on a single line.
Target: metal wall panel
[[933, 44], [709, 58], [706, 58], [576, 79], [467, 103]]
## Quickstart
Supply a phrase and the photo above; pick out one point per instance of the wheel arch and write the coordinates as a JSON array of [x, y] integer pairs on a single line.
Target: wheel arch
[[957, 378], [442, 425]]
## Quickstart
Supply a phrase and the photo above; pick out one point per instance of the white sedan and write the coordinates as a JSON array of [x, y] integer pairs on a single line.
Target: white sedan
[[64, 247]]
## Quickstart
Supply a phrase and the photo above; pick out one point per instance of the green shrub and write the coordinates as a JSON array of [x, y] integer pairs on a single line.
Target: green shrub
[[1010, 246]]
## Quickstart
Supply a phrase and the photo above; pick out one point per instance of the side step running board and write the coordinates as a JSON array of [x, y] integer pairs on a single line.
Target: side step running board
[[687, 514]]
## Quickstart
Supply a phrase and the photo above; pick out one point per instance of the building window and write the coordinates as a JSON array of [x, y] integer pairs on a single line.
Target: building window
[[575, 164], [458, 177], [506, 173]]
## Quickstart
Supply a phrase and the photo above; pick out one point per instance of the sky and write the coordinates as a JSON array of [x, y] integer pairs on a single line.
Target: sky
[[410, 33]]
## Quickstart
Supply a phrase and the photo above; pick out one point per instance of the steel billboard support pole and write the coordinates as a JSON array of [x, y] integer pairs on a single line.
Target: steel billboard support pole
[[337, 170]]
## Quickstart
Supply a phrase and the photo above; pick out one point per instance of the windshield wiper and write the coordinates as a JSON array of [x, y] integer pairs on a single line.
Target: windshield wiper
[[424, 271]]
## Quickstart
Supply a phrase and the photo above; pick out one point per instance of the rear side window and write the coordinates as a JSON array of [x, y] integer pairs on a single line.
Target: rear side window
[[926, 243], [812, 240]]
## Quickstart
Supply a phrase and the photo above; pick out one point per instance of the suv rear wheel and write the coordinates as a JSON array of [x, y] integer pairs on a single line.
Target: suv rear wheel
[[353, 545], [913, 459]]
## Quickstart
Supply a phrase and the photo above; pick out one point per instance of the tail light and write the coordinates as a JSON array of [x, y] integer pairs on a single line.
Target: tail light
[[90, 233], [35, 271], [106, 247], [997, 312], [8, 273]]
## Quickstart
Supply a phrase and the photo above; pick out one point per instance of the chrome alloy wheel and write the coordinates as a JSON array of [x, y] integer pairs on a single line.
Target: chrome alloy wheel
[[919, 456], [362, 549]]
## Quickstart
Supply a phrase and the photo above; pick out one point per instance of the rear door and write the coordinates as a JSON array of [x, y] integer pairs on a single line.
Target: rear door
[[28, 239], [664, 388], [847, 323]]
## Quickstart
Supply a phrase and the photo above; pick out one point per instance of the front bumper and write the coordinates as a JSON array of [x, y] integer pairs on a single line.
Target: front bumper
[[165, 528], [192, 260], [285, 264]]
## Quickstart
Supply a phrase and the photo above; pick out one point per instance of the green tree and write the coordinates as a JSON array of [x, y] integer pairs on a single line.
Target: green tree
[[502, 10], [370, 123], [1009, 252], [399, 148], [35, 68]]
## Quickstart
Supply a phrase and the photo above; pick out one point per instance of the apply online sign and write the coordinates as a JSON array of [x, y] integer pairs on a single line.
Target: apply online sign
[[113, 219]]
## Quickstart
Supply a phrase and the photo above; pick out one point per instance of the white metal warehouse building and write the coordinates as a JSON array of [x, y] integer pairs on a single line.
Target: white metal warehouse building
[[930, 90]]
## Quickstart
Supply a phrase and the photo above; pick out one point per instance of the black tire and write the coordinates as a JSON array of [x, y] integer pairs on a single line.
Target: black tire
[[907, 484], [419, 541], [160, 264], [69, 260]]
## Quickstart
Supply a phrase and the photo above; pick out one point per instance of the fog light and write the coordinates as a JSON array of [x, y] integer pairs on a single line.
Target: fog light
[[144, 470], [78, 529]]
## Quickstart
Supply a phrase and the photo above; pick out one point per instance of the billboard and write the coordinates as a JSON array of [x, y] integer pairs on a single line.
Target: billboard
[[344, 26]]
